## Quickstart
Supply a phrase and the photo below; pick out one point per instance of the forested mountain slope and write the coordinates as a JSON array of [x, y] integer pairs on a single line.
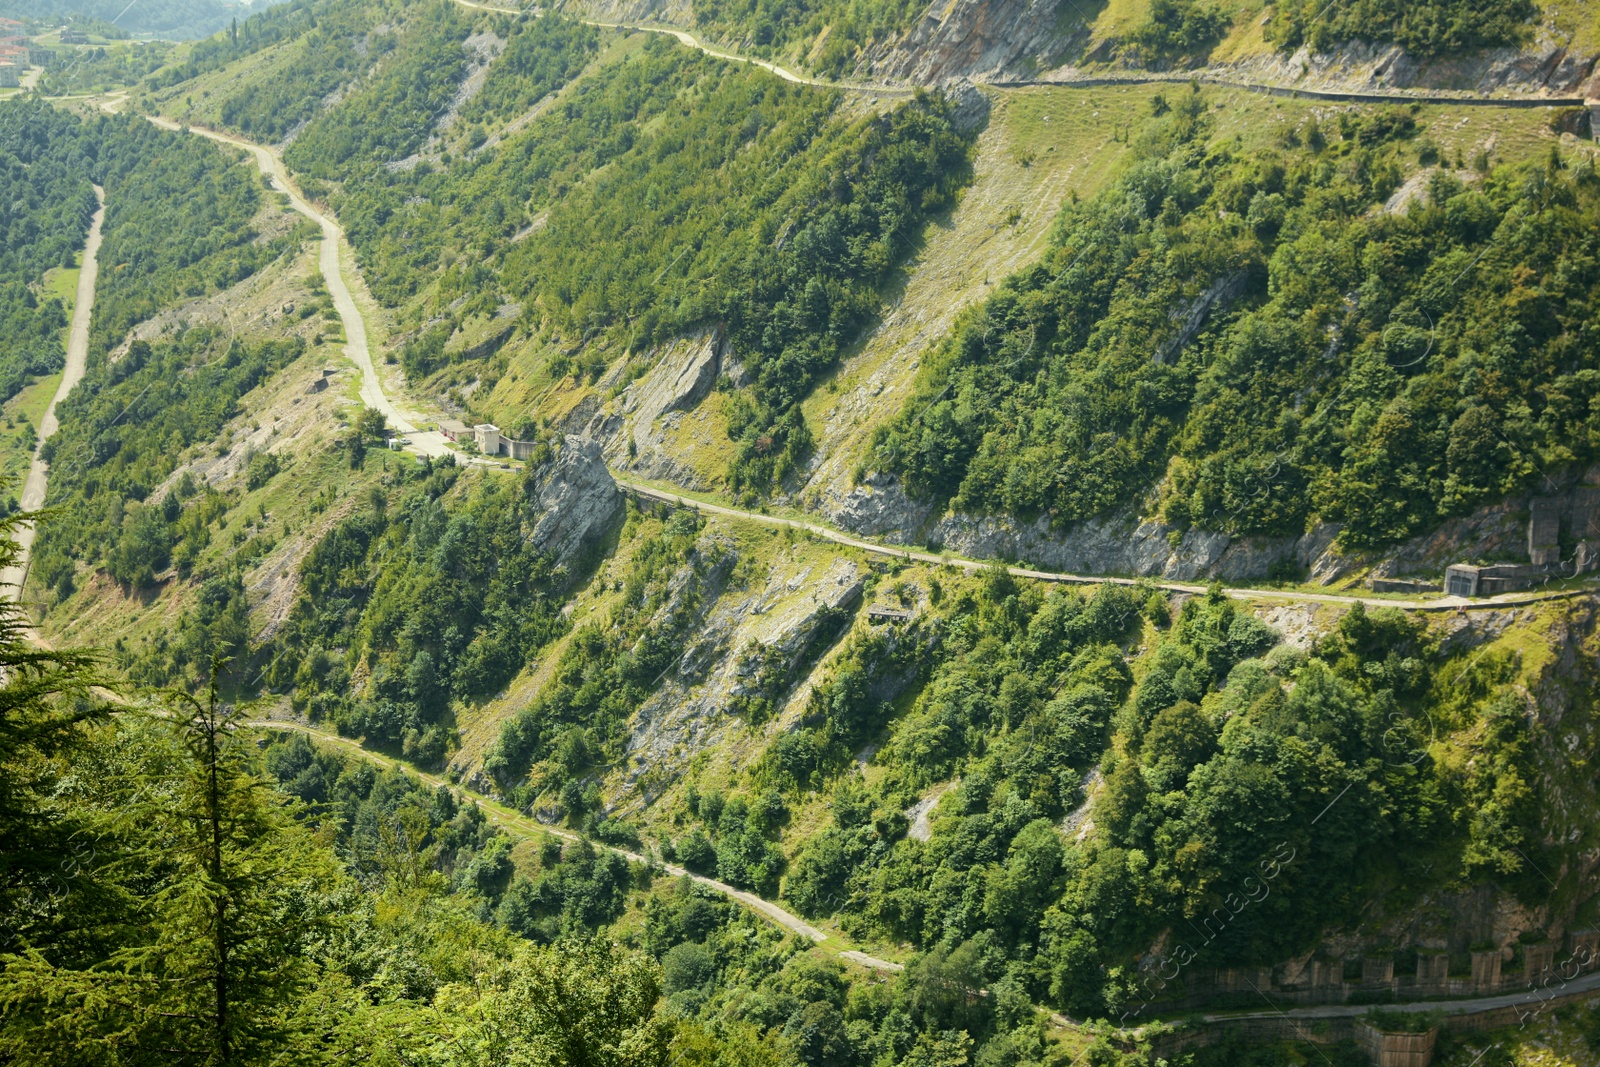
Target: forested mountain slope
[[1154, 328]]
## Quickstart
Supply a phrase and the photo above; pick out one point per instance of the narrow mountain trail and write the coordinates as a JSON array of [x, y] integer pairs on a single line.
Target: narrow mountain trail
[[423, 442], [1221, 77], [689, 39], [650, 492], [37, 481], [522, 825]]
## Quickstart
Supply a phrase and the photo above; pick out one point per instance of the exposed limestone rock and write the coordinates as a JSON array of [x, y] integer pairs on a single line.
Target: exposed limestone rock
[[969, 107], [676, 384], [918, 814], [745, 640], [970, 39], [1546, 68], [577, 500], [1463, 630], [684, 372], [1298, 623], [1221, 293], [1122, 544], [880, 507]]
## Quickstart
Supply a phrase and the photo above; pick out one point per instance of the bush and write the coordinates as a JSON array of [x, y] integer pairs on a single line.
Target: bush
[[687, 966]]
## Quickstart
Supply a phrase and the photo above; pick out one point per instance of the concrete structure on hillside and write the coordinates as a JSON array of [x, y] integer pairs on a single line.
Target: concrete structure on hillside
[[1577, 513], [488, 439], [1544, 531]]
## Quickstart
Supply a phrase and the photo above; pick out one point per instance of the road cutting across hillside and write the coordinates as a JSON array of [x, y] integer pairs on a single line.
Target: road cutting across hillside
[[515, 822], [35, 485], [422, 442], [433, 443]]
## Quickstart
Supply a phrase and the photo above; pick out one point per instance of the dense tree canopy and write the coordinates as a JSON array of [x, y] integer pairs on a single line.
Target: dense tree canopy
[[1244, 340]]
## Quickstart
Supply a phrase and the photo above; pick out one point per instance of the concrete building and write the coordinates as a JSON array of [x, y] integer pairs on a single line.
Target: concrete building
[[455, 430], [487, 435], [1464, 579], [1461, 579]]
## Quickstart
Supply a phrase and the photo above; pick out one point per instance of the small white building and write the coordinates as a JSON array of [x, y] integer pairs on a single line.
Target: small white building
[[487, 435]]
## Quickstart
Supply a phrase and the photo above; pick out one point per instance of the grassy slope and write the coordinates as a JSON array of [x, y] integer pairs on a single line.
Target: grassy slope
[[278, 416]]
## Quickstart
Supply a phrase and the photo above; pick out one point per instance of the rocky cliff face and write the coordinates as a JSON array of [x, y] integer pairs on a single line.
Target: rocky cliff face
[[970, 39], [1127, 544], [578, 503], [752, 645], [1566, 735], [633, 429], [1117, 544], [1546, 68]]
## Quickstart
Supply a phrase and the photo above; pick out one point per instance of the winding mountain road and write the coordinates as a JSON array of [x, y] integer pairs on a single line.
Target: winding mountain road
[[515, 822], [37, 480], [1209, 76], [433, 443], [373, 394], [1533, 1000], [650, 492], [356, 348]]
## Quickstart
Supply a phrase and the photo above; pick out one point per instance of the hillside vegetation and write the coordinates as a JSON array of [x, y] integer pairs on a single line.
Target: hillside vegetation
[[177, 19], [1381, 370], [49, 197], [423, 756], [664, 191]]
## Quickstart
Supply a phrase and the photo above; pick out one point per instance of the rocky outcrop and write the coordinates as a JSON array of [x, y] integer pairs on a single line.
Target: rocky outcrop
[[1566, 739], [979, 39], [1222, 292], [578, 503], [1546, 68], [634, 428], [1127, 544], [752, 643], [1120, 544]]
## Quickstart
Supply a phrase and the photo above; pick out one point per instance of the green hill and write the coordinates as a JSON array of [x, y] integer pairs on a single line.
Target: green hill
[[645, 740]]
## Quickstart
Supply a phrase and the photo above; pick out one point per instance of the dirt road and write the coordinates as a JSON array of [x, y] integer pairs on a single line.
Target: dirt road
[[521, 825], [422, 442], [650, 492], [36, 483]]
